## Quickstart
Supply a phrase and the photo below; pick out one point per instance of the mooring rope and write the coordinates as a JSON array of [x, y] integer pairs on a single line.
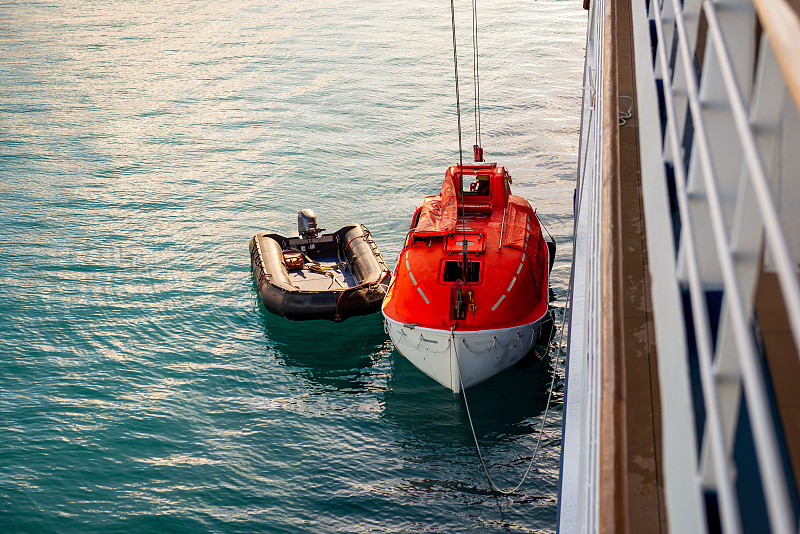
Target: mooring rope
[[492, 484]]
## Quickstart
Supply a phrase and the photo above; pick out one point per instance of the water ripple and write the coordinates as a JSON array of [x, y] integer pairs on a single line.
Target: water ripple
[[143, 387]]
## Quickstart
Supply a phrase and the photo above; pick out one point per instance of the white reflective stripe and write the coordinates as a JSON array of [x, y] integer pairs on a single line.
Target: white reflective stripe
[[498, 302], [412, 278], [408, 267], [519, 269], [423, 295], [511, 284]]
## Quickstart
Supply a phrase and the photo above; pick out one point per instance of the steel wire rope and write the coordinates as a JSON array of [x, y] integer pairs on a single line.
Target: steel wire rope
[[460, 149], [544, 417], [464, 253], [476, 75]]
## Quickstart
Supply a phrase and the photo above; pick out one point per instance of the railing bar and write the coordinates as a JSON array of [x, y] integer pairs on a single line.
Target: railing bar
[[782, 25], [775, 235], [768, 454], [728, 500]]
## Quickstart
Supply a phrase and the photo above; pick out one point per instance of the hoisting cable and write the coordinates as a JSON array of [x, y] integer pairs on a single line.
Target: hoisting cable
[[478, 152], [458, 99], [476, 82], [460, 149], [544, 417]]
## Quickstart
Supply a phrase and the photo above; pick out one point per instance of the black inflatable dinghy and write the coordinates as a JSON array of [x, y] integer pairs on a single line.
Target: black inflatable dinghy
[[328, 276]]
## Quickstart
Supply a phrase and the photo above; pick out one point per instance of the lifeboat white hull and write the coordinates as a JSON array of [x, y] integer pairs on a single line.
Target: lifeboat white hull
[[462, 358]]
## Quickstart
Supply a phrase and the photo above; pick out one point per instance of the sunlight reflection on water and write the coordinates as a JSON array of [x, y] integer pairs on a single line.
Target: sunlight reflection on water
[[141, 145]]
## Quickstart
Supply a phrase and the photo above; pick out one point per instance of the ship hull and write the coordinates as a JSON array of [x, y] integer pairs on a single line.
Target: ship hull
[[460, 359]]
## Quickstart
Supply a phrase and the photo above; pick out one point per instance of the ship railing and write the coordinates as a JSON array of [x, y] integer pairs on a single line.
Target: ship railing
[[722, 206]]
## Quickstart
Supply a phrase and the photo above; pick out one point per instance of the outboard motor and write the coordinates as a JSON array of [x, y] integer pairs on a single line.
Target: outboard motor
[[307, 224]]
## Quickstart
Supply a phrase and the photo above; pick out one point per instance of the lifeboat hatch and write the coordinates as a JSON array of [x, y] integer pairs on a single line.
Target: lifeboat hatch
[[476, 242], [453, 271]]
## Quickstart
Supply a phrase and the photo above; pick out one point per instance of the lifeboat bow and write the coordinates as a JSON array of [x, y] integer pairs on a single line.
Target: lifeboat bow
[[470, 289]]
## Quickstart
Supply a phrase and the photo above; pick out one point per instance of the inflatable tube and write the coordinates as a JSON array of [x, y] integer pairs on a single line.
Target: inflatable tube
[[359, 276]]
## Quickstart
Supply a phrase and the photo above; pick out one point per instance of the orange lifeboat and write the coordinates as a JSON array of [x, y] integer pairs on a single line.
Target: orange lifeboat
[[470, 289]]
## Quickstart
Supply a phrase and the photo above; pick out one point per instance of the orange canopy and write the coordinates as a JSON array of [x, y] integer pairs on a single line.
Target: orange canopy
[[519, 221], [439, 212]]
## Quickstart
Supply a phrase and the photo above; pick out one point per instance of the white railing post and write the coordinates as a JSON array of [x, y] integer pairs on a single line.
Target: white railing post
[[721, 244]]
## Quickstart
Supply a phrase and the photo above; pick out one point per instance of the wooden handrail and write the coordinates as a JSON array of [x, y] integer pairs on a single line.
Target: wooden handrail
[[613, 471], [782, 25]]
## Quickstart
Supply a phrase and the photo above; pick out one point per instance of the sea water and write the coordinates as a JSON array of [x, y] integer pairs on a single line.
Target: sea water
[[142, 143]]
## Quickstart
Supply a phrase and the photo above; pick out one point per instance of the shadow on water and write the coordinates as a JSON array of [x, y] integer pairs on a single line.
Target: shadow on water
[[332, 355], [501, 407]]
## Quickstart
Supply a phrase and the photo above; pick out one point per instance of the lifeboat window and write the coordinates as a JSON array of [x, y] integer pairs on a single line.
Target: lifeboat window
[[453, 271], [477, 185]]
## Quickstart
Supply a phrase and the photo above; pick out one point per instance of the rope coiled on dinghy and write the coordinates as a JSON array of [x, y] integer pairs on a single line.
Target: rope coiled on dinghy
[[327, 270], [316, 267]]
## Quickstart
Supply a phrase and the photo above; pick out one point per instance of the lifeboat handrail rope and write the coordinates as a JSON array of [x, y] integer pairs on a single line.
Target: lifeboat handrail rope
[[544, 418], [422, 338], [488, 349], [494, 343]]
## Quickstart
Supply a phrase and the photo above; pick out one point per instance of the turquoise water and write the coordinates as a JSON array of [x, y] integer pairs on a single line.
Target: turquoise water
[[142, 143]]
